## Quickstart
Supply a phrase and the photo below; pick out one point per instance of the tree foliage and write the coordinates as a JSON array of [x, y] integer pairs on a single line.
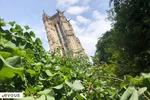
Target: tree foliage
[[26, 67], [127, 44]]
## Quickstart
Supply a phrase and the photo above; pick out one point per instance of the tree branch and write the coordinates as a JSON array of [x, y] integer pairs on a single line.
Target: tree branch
[[115, 78]]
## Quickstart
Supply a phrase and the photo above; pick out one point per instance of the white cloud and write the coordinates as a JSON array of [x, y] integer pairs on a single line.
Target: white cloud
[[75, 25], [97, 15], [88, 30], [85, 2], [90, 33], [83, 20], [66, 3], [76, 10], [88, 43]]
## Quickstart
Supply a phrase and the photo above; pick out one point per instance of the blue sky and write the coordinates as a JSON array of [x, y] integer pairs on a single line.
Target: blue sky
[[88, 17]]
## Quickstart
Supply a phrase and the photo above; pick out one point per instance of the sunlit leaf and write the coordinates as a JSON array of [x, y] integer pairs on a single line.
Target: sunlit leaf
[[48, 73], [14, 61], [58, 86], [80, 97], [12, 23], [32, 34], [38, 40], [76, 86], [7, 71], [42, 97], [127, 94], [27, 27], [142, 90], [2, 23], [31, 72], [49, 94], [5, 54], [18, 27], [134, 95]]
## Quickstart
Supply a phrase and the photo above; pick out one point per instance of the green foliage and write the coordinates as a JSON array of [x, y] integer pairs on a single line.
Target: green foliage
[[25, 66], [27, 27], [138, 87], [125, 48], [126, 45]]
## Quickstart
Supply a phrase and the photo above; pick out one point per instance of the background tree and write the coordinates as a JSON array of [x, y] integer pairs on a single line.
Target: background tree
[[130, 37]]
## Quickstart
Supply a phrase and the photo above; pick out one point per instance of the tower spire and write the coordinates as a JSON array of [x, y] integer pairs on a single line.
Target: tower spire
[[61, 35], [63, 11], [69, 20], [43, 12], [45, 16], [58, 10]]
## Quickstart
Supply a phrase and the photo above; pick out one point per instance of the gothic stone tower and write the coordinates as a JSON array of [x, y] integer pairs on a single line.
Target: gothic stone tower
[[61, 35]]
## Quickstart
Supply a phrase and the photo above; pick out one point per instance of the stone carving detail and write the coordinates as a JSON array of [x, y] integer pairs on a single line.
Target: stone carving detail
[[69, 33]]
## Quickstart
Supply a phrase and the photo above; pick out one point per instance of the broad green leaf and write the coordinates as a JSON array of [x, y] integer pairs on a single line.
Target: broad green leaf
[[49, 94], [9, 37], [49, 97], [127, 80], [42, 97], [46, 91], [2, 23], [12, 29], [32, 34], [38, 40], [57, 68], [76, 86], [14, 61], [21, 53], [18, 27], [12, 23], [137, 80], [5, 54], [31, 72], [8, 72], [27, 36], [42, 79], [38, 65], [127, 94], [18, 30], [69, 83], [146, 75], [80, 97], [8, 44], [27, 27], [142, 90], [38, 87], [48, 73], [58, 86], [48, 65], [134, 95]]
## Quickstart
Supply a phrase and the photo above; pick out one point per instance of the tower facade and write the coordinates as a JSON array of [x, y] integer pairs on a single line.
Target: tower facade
[[60, 34]]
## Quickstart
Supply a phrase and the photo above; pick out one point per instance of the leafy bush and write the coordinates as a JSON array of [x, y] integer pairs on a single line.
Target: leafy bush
[[26, 67]]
